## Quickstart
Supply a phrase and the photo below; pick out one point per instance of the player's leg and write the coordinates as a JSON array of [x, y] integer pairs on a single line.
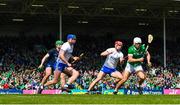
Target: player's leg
[[48, 71], [141, 76], [73, 75], [126, 75], [47, 74], [55, 79], [128, 70], [140, 73], [117, 75], [100, 75], [63, 79]]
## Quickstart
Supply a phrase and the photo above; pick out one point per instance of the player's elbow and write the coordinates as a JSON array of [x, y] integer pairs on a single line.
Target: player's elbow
[[102, 54], [55, 81], [76, 73], [124, 79], [61, 56]]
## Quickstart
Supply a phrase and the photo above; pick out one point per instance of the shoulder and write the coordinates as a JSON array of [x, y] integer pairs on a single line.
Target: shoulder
[[131, 48], [65, 45], [52, 50], [121, 53], [110, 49]]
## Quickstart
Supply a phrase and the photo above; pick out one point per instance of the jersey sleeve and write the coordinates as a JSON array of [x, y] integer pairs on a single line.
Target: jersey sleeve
[[109, 50], [130, 51], [50, 52], [64, 47]]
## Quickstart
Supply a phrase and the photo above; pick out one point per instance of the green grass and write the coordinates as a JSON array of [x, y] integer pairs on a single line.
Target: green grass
[[90, 99]]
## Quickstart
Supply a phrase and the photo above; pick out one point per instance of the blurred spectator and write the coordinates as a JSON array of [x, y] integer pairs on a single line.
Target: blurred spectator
[[20, 58]]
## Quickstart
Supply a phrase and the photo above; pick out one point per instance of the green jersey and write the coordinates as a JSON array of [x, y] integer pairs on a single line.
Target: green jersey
[[136, 54]]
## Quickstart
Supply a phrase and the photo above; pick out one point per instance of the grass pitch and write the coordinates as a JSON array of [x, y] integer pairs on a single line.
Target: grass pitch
[[89, 99]]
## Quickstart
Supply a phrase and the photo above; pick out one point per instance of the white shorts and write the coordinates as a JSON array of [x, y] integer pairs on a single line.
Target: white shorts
[[132, 69]]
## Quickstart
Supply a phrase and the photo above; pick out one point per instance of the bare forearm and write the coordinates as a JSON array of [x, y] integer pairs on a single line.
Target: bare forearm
[[105, 53], [44, 59], [135, 60], [63, 59], [148, 57]]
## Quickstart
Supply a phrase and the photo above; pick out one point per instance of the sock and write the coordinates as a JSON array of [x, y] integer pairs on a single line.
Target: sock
[[66, 85]]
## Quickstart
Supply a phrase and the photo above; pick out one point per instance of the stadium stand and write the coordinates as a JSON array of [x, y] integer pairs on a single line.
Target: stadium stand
[[20, 58]]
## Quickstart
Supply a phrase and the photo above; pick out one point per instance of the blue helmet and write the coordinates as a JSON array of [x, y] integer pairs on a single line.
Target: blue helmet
[[71, 36]]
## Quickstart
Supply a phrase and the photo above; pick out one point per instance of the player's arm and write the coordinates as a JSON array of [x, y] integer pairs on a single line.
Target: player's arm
[[107, 52], [43, 60], [121, 60], [148, 58], [131, 59], [130, 56], [62, 57], [75, 58]]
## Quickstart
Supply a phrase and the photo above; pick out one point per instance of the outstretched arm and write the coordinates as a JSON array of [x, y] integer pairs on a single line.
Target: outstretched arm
[[43, 60], [148, 58], [105, 53]]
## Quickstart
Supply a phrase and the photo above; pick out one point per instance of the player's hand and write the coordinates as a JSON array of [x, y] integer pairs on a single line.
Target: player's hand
[[123, 59], [40, 66], [149, 64], [69, 65], [76, 58], [141, 59]]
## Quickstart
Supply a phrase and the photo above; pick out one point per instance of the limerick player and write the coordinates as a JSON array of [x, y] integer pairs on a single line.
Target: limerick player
[[63, 65], [136, 55], [50, 59], [113, 56]]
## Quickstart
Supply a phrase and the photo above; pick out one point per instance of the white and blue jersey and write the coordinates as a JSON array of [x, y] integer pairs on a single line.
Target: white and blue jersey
[[112, 60], [68, 49]]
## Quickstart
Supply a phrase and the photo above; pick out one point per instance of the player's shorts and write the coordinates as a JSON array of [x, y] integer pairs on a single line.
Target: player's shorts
[[107, 70], [133, 69], [49, 64], [60, 66]]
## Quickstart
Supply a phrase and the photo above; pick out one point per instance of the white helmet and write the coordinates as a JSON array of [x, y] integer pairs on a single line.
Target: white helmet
[[137, 40]]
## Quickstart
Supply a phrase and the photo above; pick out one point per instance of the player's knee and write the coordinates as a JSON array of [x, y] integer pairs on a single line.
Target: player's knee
[[76, 73], [48, 74], [98, 79], [143, 77], [120, 77], [55, 81], [124, 79]]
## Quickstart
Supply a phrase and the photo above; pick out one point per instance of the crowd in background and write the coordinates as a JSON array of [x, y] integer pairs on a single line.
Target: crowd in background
[[19, 60]]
